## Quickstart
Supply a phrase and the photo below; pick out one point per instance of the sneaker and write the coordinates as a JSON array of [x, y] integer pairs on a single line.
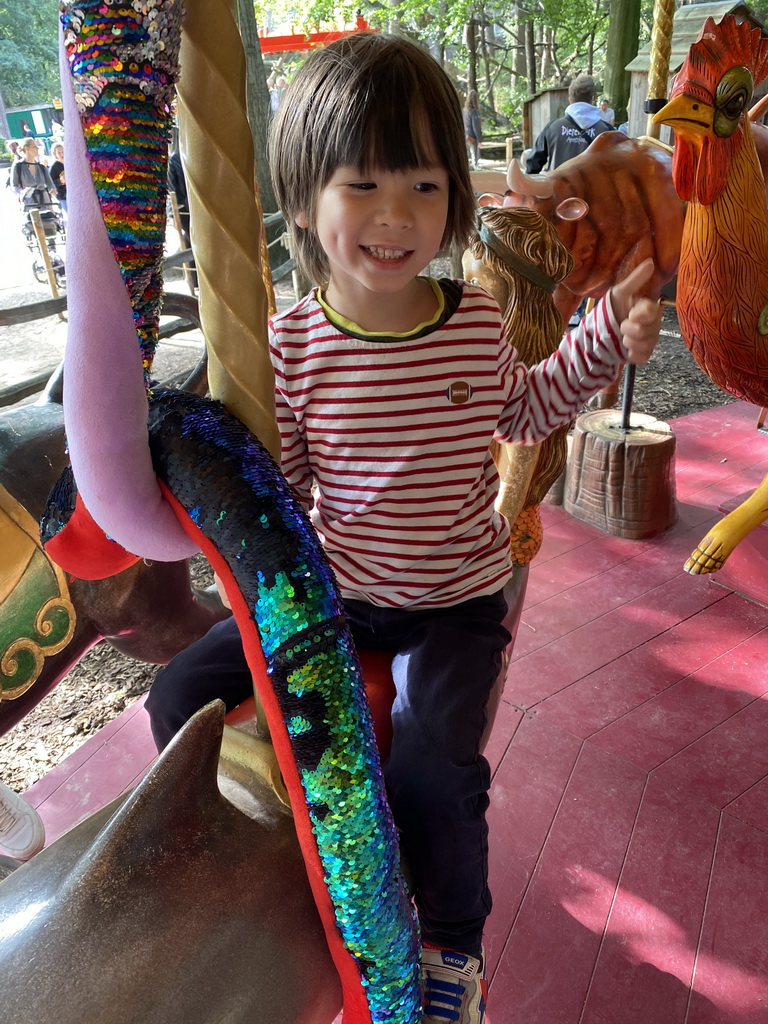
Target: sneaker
[[453, 987], [21, 830]]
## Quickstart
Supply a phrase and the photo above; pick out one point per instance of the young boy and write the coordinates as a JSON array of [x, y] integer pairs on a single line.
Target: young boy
[[389, 388]]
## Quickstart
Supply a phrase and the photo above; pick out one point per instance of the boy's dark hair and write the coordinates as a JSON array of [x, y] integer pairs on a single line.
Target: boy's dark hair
[[367, 100]]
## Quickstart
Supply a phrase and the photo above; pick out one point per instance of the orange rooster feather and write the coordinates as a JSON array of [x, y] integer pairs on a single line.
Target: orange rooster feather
[[722, 293]]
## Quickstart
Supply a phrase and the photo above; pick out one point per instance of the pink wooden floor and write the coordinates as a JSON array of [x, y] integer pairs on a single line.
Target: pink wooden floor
[[629, 815]]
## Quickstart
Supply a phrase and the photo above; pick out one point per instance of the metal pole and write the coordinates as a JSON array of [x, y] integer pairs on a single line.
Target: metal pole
[[626, 397]]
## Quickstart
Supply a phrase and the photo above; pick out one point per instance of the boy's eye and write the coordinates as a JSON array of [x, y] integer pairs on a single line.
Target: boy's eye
[[426, 186], [364, 186]]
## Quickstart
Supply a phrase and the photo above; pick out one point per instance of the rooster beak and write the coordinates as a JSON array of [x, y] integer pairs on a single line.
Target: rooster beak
[[686, 115]]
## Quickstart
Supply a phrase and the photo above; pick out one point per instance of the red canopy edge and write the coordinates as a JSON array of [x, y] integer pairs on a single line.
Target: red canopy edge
[[282, 44]]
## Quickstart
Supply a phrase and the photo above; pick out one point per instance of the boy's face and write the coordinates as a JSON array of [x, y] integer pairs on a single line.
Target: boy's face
[[380, 229]]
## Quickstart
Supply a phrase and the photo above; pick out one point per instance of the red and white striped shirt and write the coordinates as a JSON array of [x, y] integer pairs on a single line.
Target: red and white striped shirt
[[394, 433]]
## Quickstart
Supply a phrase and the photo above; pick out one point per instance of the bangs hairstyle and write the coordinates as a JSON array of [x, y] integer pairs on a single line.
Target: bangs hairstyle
[[369, 101]]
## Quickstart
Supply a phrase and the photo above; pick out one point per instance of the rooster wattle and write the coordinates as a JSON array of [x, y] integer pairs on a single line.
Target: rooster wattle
[[722, 292]]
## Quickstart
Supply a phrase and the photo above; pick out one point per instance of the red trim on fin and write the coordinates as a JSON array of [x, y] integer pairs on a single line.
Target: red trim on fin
[[84, 550]]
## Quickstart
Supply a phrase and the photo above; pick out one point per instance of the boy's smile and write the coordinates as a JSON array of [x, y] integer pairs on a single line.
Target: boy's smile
[[379, 230]]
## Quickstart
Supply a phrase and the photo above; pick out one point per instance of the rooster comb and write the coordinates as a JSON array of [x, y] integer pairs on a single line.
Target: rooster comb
[[721, 46]]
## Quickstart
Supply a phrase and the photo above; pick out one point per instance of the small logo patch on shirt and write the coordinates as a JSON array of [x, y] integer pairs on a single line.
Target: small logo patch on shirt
[[459, 392]]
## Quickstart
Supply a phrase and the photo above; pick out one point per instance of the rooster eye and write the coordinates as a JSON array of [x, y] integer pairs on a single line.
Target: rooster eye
[[734, 91]]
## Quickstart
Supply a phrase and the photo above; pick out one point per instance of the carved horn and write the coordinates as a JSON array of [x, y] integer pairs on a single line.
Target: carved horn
[[538, 185]]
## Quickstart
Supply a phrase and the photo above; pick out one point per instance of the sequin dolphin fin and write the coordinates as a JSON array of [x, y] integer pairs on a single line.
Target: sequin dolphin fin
[[116, 154]]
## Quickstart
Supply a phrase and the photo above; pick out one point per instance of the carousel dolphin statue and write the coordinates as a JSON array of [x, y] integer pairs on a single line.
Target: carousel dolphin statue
[[175, 904]]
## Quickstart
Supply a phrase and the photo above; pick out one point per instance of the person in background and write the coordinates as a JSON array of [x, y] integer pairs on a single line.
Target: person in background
[[57, 174], [569, 135], [473, 127], [31, 179], [276, 93], [607, 112], [178, 183], [13, 149]]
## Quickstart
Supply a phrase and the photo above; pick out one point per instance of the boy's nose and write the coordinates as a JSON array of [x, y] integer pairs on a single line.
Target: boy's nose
[[395, 213]]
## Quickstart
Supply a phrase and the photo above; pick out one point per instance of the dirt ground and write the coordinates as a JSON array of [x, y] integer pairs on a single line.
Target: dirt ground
[[105, 682]]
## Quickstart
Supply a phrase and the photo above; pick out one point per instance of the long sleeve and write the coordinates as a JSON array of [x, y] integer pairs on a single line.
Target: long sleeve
[[551, 393], [294, 460]]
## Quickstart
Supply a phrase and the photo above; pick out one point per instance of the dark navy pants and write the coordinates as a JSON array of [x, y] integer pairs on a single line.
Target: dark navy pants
[[445, 664]]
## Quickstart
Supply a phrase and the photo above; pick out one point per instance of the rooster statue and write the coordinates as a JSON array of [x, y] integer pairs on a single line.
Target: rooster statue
[[722, 291]]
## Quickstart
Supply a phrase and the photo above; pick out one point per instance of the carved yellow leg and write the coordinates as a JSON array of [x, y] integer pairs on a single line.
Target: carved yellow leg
[[516, 464], [720, 542]]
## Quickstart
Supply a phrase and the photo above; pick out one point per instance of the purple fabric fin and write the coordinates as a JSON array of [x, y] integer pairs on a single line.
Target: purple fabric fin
[[105, 404]]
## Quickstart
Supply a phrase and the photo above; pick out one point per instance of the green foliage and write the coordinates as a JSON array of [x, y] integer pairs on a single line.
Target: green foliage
[[574, 22], [29, 71], [760, 7], [576, 29]]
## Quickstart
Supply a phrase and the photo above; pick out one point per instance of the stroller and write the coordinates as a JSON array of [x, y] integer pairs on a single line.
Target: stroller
[[52, 219]]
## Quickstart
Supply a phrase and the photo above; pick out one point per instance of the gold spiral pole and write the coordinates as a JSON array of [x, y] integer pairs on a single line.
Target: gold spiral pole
[[661, 48], [225, 218]]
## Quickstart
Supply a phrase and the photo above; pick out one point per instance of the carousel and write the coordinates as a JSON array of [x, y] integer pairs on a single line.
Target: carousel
[[246, 874]]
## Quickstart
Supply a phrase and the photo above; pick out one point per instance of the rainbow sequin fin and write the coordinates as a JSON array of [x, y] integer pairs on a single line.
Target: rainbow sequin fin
[[123, 59]]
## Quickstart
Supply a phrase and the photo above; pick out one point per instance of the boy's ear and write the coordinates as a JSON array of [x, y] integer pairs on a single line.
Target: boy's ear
[[300, 220]]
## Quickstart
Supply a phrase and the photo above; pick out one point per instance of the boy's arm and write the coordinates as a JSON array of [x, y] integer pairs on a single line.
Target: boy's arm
[[294, 461], [621, 328]]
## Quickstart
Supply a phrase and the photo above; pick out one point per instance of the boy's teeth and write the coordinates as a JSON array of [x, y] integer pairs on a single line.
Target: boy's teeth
[[386, 254]]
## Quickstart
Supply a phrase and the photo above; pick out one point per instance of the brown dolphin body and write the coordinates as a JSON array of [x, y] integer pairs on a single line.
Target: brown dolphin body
[[148, 611], [170, 906]]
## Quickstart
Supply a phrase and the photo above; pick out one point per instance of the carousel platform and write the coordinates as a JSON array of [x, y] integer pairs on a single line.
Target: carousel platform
[[629, 814]]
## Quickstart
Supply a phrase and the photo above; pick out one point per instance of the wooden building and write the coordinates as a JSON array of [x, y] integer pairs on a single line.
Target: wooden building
[[686, 26], [540, 109]]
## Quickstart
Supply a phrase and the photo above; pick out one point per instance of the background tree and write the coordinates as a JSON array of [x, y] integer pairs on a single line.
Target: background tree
[[257, 100], [29, 69], [623, 36]]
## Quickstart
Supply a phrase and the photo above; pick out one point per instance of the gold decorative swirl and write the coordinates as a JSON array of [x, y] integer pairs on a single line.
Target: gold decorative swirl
[[37, 650]]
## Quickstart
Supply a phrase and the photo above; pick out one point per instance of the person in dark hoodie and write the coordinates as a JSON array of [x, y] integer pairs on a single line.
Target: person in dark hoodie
[[567, 136], [177, 183]]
